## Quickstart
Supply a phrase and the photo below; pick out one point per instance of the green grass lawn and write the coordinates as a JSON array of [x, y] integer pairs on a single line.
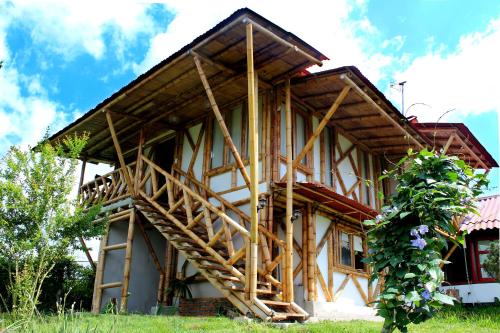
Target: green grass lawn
[[477, 320]]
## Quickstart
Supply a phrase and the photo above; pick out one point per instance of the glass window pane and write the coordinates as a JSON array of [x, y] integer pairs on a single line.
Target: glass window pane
[[358, 252], [235, 130], [217, 146], [300, 135], [346, 249], [483, 245]]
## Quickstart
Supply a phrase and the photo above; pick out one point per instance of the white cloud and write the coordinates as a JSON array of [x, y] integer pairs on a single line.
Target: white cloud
[[326, 25], [464, 79], [70, 28], [65, 28]]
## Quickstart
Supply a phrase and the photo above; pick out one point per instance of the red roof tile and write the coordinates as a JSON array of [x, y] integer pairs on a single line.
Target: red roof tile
[[488, 218]]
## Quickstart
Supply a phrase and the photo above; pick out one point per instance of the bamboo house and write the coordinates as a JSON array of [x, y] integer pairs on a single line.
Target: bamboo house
[[233, 162]]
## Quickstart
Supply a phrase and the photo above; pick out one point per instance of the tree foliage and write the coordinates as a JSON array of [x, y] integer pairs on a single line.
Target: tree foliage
[[406, 239], [39, 219]]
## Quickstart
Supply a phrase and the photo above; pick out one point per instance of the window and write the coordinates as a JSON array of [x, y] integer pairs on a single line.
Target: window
[[237, 124], [351, 250], [300, 126], [482, 250]]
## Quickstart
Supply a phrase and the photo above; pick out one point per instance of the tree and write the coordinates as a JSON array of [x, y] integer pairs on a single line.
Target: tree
[[406, 239], [39, 221]]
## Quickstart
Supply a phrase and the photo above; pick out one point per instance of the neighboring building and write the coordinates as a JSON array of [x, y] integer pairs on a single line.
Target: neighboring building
[[235, 162], [465, 274]]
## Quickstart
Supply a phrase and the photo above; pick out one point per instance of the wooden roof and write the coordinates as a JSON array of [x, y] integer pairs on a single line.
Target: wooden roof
[[459, 141], [365, 116], [170, 94]]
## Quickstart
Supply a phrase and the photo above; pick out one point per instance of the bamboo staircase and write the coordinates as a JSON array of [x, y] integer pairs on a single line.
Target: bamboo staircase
[[212, 234]]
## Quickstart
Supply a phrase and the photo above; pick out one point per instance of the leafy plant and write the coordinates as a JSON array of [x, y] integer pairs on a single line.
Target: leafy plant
[[39, 221], [406, 239], [179, 287]]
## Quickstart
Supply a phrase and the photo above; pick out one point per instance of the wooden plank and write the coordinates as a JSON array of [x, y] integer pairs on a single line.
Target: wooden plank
[[330, 265], [341, 288], [321, 279], [360, 289]]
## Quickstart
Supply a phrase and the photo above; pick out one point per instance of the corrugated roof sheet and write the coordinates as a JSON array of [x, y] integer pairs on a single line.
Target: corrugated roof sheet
[[488, 218]]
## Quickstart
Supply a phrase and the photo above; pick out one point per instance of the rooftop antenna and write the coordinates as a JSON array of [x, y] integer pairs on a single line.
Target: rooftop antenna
[[401, 89], [402, 85]]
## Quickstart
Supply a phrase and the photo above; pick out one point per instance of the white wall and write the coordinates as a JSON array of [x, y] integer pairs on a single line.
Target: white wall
[[477, 292]]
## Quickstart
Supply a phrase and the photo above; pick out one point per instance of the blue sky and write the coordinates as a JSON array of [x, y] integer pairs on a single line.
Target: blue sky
[[61, 58]]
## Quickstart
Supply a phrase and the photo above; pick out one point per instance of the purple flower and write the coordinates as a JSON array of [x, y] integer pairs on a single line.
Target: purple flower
[[419, 242], [426, 295], [378, 218], [414, 233], [423, 229], [370, 251]]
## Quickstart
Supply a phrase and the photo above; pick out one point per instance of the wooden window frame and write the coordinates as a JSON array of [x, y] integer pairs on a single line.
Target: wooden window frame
[[351, 234], [476, 264]]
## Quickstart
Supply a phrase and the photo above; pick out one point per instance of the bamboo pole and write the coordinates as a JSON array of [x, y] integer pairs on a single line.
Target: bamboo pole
[[127, 264], [254, 166], [220, 120], [96, 299], [289, 198], [311, 253], [321, 125], [118, 149]]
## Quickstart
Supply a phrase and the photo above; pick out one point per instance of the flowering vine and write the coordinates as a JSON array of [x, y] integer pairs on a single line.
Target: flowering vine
[[406, 240]]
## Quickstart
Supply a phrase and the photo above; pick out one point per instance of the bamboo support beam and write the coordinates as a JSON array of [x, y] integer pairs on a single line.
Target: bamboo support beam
[[254, 166], [448, 143], [221, 122], [280, 40], [127, 265], [288, 297], [118, 149], [367, 98], [321, 125]]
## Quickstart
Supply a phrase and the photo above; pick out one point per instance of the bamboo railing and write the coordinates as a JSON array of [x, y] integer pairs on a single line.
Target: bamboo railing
[[107, 188]]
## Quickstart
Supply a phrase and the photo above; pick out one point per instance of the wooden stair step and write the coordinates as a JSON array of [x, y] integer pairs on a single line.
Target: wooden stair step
[[274, 303], [235, 279], [215, 268], [287, 315], [200, 258], [258, 291], [115, 247], [190, 248]]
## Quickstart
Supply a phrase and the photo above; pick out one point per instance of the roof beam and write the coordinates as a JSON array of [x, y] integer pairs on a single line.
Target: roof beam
[[280, 40], [365, 96]]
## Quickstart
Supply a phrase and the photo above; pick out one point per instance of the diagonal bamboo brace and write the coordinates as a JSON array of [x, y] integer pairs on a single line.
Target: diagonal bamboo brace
[[220, 120]]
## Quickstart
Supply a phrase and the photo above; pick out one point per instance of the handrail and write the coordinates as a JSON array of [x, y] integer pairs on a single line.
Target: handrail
[[204, 202]]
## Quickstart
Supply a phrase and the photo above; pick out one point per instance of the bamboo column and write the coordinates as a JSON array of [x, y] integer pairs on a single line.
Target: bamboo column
[[128, 261], [311, 253], [96, 298], [289, 199], [254, 166], [80, 238], [118, 149]]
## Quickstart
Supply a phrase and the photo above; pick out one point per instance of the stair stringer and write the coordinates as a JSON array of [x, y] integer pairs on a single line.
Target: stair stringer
[[236, 298]]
